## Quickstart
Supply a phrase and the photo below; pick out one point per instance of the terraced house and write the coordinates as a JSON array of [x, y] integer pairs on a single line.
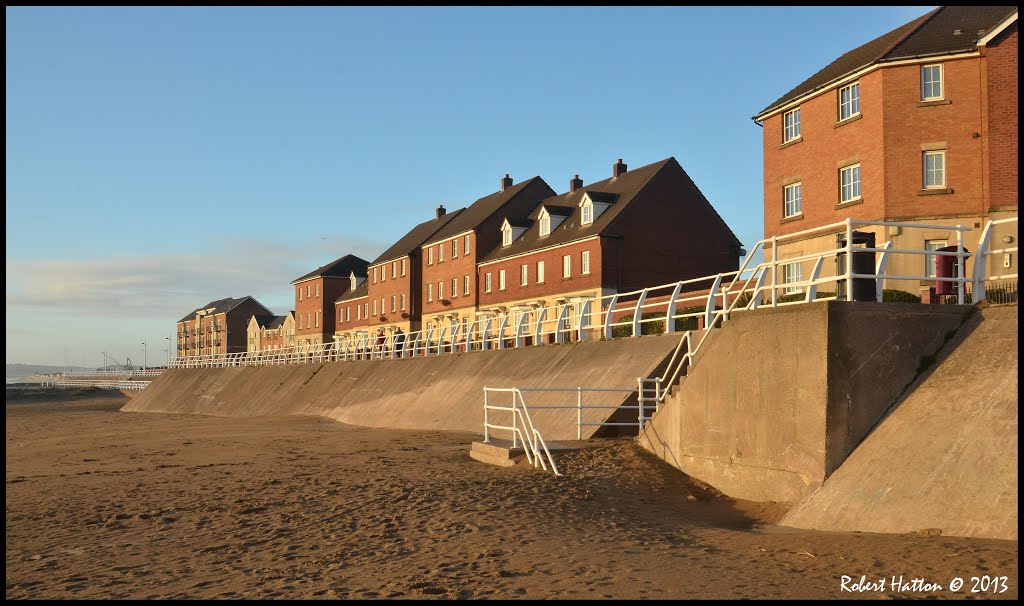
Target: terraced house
[[219, 327], [267, 333], [918, 125], [449, 259], [636, 229], [315, 297]]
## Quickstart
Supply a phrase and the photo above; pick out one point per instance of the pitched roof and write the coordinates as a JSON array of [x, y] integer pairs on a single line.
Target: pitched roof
[[620, 190], [930, 34], [262, 320], [362, 291], [269, 322], [339, 268], [416, 236], [479, 211], [223, 306], [562, 211]]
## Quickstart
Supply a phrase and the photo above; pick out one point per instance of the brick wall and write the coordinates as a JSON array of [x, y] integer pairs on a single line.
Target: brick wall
[[451, 267], [553, 283], [1002, 116], [356, 319]]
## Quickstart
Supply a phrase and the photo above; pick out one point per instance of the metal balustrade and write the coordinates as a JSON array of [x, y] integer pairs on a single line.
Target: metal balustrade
[[100, 383]]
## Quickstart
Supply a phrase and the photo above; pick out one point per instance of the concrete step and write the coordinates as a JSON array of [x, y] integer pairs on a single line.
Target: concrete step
[[497, 452]]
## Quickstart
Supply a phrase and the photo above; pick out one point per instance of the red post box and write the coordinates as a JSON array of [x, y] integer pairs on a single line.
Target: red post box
[[946, 266]]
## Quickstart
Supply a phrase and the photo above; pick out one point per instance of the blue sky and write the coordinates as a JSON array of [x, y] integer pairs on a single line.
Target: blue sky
[[159, 158]]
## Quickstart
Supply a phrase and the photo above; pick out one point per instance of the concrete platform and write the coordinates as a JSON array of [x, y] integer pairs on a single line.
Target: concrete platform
[[501, 453]]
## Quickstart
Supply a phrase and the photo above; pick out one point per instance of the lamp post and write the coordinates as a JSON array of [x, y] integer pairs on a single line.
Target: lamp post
[[104, 359], [168, 351], [143, 355]]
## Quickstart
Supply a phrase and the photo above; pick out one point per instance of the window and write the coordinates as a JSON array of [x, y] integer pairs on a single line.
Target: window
[[465, 285], [849, 184], [545, 224], [317, 290], [455, 249], [440, 290], [348, 314], [585, 262], [366, 310], [540, 272], [430, 256], [465, 246], [300, 293], [501, 279], [524, 275], [440, 253], [792, 205], [506, 237], [374, 275], [375, 307], [588, 213], [487, 282], [307, 320], [931, 82], [307, 291], [455, 287], [403, 301], [430, 292], [403, 267], [792, 272], [934, 169], [791, 125], [566, 266], [929, 260], [849, 101], [394, 274], [383, 309], [359, 312], [394, 302], [316, 319]]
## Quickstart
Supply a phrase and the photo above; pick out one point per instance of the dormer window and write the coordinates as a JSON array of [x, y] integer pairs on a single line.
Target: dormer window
[[352, 281], [545, 223], [510, 232], [588, 213]]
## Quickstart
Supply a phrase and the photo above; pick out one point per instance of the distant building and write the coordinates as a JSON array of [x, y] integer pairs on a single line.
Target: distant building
[[219, 327], [315, 295], [918, 125], [267, 333]]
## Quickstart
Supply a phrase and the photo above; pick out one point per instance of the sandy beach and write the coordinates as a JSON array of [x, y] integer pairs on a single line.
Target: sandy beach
[[102, 504]]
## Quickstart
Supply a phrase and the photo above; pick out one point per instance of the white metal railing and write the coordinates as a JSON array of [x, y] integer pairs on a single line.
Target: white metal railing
[[522, 428], [101, 384], [985, 251], [677, 306], [118, 374]]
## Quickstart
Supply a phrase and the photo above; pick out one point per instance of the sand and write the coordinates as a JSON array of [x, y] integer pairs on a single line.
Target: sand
[[103, 504]]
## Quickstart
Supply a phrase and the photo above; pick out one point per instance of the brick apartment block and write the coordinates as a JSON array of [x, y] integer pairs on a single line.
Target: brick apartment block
[[315, 297], [219, 327]]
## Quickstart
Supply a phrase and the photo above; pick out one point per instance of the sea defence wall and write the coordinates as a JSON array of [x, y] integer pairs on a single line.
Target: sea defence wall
[[434, 392], [778, 398], [946, 456]]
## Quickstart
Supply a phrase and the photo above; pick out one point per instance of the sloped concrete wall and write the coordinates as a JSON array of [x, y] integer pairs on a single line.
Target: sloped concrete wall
[[435, 392], [779, 397], [946, 456]]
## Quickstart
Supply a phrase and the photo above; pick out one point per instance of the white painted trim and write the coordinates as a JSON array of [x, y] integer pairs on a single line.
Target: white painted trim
[[446, 238], [844, 80], [998, 29], [537, 250], [385, 262]]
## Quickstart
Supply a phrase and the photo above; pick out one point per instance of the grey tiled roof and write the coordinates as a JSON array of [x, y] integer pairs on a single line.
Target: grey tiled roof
[[222, 306]]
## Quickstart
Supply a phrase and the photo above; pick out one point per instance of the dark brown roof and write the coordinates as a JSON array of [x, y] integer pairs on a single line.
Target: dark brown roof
[[479, 211], [930, 34], [339, 268], [269, 322], [362, 291], [619, 190], [223, 306], [562, 211], [417, 236]]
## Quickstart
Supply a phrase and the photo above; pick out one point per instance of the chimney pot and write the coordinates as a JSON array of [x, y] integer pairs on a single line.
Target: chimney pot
[[575, 183], [506, 182], [618, 168], [440, 211]]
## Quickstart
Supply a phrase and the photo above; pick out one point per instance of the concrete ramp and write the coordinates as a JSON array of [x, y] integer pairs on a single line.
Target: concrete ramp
[[434, 392], [946, 456]]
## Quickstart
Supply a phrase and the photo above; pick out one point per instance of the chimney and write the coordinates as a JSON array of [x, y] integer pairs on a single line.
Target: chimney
[[575, 183], [618, 168], [440, 211], [506, 182]]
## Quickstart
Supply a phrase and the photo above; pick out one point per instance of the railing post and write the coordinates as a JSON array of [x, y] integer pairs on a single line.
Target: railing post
[[961, 277], [579, 413], [849, 259], [487, 433], [812, 290], [980, 264], [670, 311], [880, 267], [638, 313], [501, 331], [775, 259], [758, 297], [608, 316], [584, 312], [559, 338], [640, 404], [515, 406], [541, 314], [709, 308]]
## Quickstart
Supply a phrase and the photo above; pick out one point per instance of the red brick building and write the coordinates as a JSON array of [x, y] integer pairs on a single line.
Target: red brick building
[[267, 333], [448, 260], [636, 229], [219, 327], [315, 297], [918, 125]]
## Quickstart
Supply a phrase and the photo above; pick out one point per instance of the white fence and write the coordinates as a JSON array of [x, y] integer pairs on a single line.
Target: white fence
[[100, 384]]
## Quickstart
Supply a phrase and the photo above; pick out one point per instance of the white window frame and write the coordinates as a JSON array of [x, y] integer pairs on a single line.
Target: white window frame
[[455, 248], [938, 153], [855, 185], [374, 275], [316, 288], [394, 274], [487, 282], [930, 263], [440, 252], [545, 224], [465, 245], [501, 279], [524, 274], [585, 262], [359, 312], [430, 255], [455, 287], [506, 237], [308, 325], [300, 293], [394, 303], [465, 285], [791, 125], [587, 213], [925, 70], [540, 272], [440, 290], [851, 107], [403, 267], [403, 301], [348, 314], [316, 319], [792, 200], [430, 292], [566, 266], [790, 276]]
